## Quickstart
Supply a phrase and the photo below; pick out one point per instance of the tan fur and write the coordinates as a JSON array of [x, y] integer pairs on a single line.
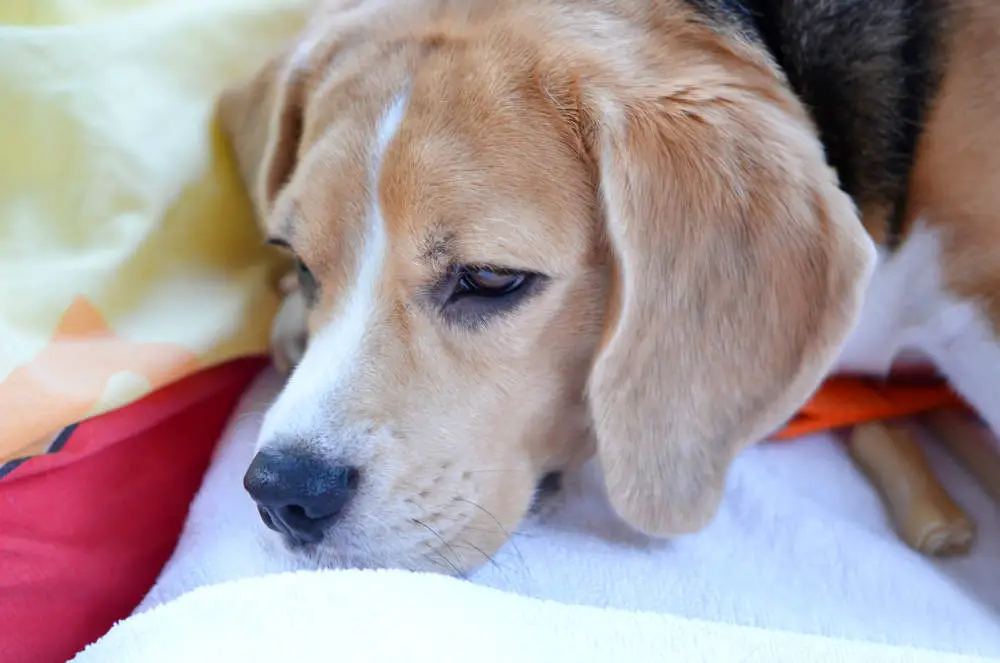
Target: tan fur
[[705, 266], [956, 181], [738, 345]]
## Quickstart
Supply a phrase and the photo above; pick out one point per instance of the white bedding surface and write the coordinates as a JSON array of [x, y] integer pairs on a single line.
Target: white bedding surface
[[376, 616], [801, 544]]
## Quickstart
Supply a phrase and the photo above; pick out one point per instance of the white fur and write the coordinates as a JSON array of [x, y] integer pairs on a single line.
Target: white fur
[[305, 407], [966, 350], [902, 298], [909, 317]]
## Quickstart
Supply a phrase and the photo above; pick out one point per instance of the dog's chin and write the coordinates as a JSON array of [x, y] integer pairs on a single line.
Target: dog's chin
[[334, 552], [326, 556]]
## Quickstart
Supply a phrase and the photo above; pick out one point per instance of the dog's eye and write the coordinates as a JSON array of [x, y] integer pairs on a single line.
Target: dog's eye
[[489, 283], [472, 294], [308, 283]]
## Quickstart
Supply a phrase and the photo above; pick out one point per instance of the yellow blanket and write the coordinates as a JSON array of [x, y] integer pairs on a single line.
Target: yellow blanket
[[129, 256]]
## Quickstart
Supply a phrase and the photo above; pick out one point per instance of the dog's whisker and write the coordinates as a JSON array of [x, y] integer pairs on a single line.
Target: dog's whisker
[[453, 565], [439, 561], [513, 544], [514, 534], [489, 558]]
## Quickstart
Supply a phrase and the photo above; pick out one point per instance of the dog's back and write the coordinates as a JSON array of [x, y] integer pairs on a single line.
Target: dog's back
[[904, 96], [868, 70]]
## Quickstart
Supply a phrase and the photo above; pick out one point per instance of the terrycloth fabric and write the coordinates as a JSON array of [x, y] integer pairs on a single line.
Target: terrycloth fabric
[[397, 616], [129, 254], [801, 543]]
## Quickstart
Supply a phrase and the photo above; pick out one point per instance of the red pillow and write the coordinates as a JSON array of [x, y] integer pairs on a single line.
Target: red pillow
[[86, 528]]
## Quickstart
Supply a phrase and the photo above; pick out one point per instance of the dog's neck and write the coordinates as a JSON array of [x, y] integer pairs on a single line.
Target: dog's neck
[[867, 70]]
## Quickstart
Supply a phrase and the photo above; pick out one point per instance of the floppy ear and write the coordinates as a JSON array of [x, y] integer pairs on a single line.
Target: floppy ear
[[262, 120], [739, 269]]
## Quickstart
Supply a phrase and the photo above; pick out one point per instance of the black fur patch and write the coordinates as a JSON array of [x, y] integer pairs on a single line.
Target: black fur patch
[[867, 70], [548, 486]]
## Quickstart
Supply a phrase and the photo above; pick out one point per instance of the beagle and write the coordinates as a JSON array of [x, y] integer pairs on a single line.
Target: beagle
[[529, 232]]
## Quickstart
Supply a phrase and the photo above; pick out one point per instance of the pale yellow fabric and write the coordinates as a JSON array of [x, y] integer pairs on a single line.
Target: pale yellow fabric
[[129, 256]]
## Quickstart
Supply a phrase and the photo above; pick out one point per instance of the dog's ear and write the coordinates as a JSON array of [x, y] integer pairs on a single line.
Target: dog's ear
[[262, 120], [739, 269]]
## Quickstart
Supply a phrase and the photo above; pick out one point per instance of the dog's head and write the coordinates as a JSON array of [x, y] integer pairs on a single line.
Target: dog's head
[[528, 231]]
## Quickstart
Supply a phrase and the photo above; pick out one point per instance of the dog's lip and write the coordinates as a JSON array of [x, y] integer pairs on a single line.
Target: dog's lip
[[295, 543], [549, 483], [547, 486], [268, 520]]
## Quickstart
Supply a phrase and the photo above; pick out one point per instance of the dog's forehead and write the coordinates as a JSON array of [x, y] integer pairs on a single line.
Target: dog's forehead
[[480, 165], [459, 162]]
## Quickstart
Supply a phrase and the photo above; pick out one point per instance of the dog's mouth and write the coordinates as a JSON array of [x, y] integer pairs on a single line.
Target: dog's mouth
[[324, 553], [548, 487]]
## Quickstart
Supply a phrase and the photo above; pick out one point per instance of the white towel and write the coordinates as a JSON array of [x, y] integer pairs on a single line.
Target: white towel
[[397, 616], [801, 544]]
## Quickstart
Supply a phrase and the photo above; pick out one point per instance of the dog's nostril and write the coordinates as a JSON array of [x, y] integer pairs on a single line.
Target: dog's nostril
[[353, 478], [299, 495]]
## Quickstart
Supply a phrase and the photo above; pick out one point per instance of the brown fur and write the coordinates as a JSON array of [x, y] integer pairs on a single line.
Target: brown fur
[[956, 180]]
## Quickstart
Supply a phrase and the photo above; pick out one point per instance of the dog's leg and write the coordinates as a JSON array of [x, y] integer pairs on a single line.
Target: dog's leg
[[971, 444], [969, 357], [921, 510]]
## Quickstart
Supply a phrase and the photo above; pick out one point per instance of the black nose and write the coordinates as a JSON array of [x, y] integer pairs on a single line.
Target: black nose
[[299, 494]]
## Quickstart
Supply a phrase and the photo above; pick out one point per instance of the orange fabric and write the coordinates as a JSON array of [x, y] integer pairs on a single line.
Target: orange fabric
[[40, 396], [846, 401]]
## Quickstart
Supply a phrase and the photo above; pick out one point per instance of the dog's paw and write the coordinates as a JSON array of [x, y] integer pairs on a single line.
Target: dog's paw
[[289, 332]]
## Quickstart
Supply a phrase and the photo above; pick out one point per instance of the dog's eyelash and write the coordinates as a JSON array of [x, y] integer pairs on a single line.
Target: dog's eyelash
[[472, 295]]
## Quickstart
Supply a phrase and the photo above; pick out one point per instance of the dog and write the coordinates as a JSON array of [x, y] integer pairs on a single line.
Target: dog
[[532, 232]]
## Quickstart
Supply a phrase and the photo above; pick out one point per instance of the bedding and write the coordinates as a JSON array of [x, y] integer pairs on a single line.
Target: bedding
[[140, 309], [137, 294], [399, 616], [801, 544]]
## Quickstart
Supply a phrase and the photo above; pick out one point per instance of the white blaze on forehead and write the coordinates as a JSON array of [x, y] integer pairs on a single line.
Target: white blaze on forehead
[[303, 410]]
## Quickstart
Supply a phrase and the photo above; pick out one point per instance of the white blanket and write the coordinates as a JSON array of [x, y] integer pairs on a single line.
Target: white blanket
[[801, 544], [397, 616]]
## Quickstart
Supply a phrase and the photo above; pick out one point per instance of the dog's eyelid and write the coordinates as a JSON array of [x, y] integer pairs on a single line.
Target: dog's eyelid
[[307, 281], [278, 242], [284, 245], [474, 310], [497, 267]]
